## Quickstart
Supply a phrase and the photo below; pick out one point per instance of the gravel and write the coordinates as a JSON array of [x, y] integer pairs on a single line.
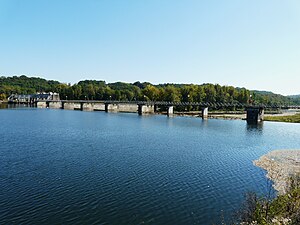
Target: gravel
[[280, 165]]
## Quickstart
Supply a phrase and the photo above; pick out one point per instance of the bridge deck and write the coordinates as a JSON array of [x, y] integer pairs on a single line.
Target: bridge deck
[[165, 103]]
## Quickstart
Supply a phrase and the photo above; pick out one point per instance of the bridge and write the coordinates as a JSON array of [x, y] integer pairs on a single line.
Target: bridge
[[255, 113]]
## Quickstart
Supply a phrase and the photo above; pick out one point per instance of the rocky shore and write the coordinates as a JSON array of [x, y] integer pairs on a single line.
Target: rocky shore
[[280, 165]]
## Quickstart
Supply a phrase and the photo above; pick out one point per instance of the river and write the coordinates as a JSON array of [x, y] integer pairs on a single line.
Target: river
[[74, 167]]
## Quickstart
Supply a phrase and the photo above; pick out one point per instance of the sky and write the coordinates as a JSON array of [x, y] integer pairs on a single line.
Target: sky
[[250, 43]]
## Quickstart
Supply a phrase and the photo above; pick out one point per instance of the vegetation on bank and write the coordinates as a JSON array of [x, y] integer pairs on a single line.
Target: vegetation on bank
[[92, 89], [289, 119], [283, 209]]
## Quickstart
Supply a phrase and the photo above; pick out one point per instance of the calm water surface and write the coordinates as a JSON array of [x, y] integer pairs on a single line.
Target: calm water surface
[[73, 167]]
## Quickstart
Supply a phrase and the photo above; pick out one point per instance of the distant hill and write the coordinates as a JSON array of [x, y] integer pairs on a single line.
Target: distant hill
[[263, 92], [293, 96], [268, 97], [25, 85]]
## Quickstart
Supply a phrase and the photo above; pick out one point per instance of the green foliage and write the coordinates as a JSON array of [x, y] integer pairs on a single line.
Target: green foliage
[[100, 90], [284, 209], [171, 94], [2, 97], [25, 85], [151, 93]]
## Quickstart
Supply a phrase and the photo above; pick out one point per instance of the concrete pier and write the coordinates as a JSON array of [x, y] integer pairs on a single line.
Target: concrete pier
[[99, 107], [127, 107], [73, 106], [41, 104], [109, 107], [69, 105], [87, 106], [77, 106], [55, 105], [204, 114], [145, 109], [255, 114], [121, 107], [170, 111]]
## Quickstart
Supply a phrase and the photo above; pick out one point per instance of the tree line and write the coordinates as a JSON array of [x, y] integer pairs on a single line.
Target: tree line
[[100, 90]]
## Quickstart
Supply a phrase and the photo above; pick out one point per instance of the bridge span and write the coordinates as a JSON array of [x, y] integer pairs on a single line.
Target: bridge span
[[254, 113]]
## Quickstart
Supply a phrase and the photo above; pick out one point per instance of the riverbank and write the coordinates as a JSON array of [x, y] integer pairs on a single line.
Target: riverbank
[[212, 115], [284, 118], [292, 116], [280, 166]]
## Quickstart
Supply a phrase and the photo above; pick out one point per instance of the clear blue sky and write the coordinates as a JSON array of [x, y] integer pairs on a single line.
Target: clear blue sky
[[246, 43]]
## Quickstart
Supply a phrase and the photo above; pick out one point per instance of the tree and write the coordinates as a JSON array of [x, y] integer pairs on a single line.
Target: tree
[[210, 93], [186, 93], [3, 97], [77, 89], [243, 96], [151, 92], [171, 94], [200, 94], [100, 90], [220, 93]]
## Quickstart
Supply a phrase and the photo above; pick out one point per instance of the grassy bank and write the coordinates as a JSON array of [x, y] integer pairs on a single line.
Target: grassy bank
[[282, 210], [283, 169], [289, 119]]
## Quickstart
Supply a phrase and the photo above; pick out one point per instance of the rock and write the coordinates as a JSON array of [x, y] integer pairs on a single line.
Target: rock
[[280, 165]]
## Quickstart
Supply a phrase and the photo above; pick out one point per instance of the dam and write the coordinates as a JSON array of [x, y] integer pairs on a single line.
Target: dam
[[254, 114]]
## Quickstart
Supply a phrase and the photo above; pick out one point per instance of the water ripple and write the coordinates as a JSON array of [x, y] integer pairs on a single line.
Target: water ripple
[[66, 167]]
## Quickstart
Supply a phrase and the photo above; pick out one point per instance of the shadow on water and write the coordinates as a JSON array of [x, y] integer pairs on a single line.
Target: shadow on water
[[255, 127], [179, 121]]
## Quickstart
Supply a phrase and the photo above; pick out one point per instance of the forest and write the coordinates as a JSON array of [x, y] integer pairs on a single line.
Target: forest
[[144, 91]]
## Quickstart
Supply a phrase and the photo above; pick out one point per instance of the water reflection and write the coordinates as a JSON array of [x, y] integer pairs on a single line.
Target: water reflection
[[12, 106], [255, 127], [3, 106]]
